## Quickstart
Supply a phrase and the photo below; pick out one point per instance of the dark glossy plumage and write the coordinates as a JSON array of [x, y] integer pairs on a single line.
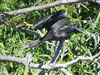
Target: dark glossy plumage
[[59, 31], [48, 21]]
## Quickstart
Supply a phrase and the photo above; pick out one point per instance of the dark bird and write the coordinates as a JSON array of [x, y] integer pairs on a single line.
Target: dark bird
[[59, 31], [48, 21]]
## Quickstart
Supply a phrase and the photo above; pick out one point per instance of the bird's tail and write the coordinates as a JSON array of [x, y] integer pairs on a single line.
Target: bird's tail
[[33, 43]]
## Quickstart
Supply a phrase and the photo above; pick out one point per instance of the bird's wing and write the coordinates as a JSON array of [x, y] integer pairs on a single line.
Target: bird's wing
[[57, 27], [41, 24], [59, 24], [48, 21]]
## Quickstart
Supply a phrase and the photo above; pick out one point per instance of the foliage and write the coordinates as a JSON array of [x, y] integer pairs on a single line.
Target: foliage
[[87, 15]]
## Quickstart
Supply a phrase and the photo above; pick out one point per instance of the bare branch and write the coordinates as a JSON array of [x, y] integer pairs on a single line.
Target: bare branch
[[51, 5], [12, 59], [25, 61]]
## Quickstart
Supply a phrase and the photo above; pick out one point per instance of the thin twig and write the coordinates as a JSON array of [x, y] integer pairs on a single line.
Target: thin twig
[[54, 46]]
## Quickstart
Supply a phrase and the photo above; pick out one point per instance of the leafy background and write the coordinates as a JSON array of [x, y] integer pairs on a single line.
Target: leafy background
[[87, 15]]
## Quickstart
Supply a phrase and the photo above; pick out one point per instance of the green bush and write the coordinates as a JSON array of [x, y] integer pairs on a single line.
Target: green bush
[[87, 15]]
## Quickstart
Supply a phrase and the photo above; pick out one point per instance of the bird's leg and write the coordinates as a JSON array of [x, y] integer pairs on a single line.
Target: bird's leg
[[57, 53]]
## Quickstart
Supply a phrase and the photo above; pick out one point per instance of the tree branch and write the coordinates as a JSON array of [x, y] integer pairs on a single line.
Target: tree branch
[[25, 61], [51, 5]]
